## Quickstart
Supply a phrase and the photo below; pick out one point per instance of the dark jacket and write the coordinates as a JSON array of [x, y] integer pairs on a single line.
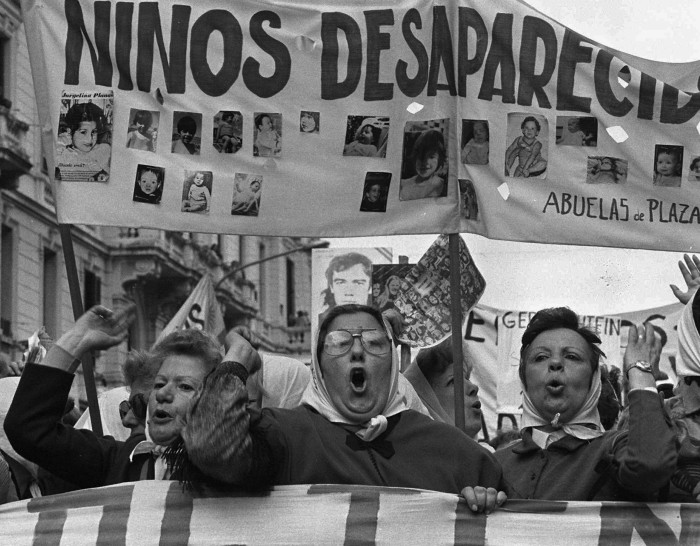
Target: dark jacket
[[630, 465], [33, 426]]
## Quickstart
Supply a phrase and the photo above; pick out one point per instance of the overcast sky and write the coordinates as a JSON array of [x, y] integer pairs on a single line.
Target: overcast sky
[[590, 280]]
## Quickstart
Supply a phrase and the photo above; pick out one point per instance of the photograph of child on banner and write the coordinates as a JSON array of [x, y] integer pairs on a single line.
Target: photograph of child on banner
[[469, 206], [376, 192], [267, 135], [475, 142], [247, 189], [387, 280], [366, 136], [83, 147], [149, 184], [694, 171], [309, 122], [606, 170], [424, 169], [187, 135], [196, 191], [668, 163], [143, 130], [526, 157], [228, 131], [577, 131], [424, 296]]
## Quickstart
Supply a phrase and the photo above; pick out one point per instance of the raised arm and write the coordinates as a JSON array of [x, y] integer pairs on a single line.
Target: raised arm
[[217, 435]]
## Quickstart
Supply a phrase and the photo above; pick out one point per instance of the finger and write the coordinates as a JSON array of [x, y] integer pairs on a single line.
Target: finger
[[490, 503], [676, 291], [632, 335], [480, 493], [687, 277], [696, 262], [501, 498], [690, 264], [470, 496], [15, 368]]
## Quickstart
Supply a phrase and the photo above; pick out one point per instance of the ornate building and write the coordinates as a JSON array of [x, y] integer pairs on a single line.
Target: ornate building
[[155, 269]]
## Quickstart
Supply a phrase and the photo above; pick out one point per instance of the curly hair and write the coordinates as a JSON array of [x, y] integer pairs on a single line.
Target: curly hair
[[190, 342], [138, 367]]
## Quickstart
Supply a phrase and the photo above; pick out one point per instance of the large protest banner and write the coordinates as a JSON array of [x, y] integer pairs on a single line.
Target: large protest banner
[[345, 118], [159, 512]]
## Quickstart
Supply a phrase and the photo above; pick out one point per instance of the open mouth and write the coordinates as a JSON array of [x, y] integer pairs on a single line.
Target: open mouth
[[161, 415], [555, 387], [358, 380]]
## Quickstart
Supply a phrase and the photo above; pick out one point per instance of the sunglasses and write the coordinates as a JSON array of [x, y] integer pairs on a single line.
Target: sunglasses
[[137, 403], [339, 342]]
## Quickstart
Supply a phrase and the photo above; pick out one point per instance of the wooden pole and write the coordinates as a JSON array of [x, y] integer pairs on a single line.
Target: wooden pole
[[405, 349], [87, 359], [456, 312]]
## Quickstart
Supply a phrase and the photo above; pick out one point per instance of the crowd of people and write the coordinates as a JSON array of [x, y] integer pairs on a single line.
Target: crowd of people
[[248, 422]]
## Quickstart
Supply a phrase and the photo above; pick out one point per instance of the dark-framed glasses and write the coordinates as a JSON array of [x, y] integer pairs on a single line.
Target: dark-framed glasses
[[339, 342], [137, 403]]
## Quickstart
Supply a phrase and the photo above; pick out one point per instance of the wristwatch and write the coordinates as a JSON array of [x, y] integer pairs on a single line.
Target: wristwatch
[[642, 365]]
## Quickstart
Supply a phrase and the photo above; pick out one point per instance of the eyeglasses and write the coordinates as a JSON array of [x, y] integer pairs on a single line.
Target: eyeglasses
[[339, 342], [137, 403]]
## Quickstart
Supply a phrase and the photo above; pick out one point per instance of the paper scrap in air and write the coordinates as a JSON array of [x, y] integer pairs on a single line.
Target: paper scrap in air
[[414, 108], [504, 190], [618, 134]]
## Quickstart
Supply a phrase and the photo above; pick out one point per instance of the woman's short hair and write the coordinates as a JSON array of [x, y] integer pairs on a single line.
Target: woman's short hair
[[435, 360], [190, 342], [554, 318], [338, 310]]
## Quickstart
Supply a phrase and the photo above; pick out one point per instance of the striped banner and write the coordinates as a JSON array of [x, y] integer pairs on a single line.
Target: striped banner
[[159, 512]]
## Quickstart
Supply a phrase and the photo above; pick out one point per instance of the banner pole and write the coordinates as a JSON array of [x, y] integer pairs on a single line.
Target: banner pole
[[87, 359], [456, 313]]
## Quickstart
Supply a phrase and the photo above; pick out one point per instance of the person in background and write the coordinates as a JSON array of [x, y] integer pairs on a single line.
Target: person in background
[[432, 376], [564, 453]]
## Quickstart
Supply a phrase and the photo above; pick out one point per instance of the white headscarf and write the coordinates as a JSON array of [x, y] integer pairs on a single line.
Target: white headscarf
[[579, 425], [316, 395], [688, 342]]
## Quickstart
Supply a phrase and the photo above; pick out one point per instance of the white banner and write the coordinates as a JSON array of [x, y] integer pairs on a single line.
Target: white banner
[[314, 118]]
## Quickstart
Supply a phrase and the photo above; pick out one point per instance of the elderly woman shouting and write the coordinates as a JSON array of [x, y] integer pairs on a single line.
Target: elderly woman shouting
[[353, 426], [564, 453]]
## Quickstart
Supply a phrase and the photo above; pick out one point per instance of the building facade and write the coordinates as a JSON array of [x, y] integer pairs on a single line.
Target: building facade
[[115, 265]]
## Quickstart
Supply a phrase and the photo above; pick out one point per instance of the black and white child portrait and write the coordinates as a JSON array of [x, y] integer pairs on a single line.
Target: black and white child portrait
[[424, 169], [309, 122], [148, 187], [267, 135], [526, 156], [475, 142], [196, 191], [366, 136], [606, 170], [577, 131], [375, 192], [228, 131], [187, 135], [247, 189], [143, 130], [668, 165]]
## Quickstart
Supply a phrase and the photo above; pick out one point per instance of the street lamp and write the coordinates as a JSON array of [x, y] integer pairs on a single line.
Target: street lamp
[[320, 244]]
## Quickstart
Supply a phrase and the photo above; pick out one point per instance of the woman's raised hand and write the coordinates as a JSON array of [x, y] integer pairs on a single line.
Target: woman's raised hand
[[98, 328], [691, 275]]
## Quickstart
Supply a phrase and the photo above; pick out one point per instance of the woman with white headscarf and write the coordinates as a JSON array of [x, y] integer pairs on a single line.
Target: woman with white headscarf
[[565, 454], [353, 426]]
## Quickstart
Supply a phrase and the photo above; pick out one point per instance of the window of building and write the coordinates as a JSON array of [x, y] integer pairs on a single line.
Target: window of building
[[6, 280], [50, 292], [93, 289]]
